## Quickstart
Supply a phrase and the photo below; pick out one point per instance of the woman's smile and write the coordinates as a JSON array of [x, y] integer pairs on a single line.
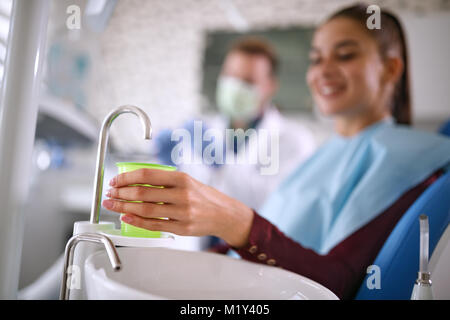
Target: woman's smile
[[330, 90]]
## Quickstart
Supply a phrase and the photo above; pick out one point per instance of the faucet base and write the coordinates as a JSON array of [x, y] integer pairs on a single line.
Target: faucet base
[[109, 230]]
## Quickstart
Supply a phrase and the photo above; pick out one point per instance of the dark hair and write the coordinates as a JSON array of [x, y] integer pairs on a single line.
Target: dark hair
[[255, 46], [390, 37]]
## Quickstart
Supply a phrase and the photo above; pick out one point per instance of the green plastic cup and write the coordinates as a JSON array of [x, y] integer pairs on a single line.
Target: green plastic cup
[[127, 229]]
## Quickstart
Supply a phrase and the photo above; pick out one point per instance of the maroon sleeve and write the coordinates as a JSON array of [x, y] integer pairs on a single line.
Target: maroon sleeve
[[343, 269]]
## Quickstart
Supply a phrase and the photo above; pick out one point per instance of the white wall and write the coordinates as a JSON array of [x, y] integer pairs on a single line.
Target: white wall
[[429, 43]]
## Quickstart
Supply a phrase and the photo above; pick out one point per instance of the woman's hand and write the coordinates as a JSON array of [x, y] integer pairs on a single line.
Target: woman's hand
[[193, 209]]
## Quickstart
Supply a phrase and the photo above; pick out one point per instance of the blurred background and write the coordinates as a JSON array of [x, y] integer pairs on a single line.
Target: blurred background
[[164, 56]]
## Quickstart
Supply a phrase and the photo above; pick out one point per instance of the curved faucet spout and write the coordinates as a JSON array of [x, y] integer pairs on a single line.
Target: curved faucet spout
[[113, 256], [103, 142]]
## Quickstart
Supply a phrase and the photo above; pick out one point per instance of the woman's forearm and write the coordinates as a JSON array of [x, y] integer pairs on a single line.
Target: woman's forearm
[[238, 225]]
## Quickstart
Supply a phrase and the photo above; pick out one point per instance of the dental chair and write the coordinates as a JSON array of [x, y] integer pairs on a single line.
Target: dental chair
[[445, 129], [398, 259]]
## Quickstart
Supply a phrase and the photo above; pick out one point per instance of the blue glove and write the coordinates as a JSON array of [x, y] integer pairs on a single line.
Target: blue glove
[[165, 146]]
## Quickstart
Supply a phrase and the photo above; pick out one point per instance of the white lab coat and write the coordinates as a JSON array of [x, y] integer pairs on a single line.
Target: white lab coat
[[245, 181]]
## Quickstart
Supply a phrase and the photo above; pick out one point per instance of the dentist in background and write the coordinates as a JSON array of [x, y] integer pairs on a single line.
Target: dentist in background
[[245, 89]]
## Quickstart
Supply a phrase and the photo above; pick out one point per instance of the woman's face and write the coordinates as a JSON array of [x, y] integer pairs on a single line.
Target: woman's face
[[346, 70]]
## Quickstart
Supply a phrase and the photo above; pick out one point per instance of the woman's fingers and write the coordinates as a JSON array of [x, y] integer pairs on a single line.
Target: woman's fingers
[[191, 207], [171, 226], [153, 177], [144, 209], [141, 193]]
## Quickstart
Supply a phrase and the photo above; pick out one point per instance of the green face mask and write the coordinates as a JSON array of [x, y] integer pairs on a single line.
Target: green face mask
[[237, 99]]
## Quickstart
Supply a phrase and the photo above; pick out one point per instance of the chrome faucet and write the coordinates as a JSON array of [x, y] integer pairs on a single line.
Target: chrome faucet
[[70, 248], [96, 202], [103, 142]]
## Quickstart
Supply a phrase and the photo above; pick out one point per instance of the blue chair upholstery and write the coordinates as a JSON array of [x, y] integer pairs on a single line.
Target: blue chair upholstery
[[445, 128], [398, 259]]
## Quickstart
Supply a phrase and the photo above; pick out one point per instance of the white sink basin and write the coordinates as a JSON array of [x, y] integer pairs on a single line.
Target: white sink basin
[[162, 273]]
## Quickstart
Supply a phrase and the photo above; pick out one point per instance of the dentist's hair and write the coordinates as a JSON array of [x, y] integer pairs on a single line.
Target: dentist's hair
[[390, 39], [253, 45]]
